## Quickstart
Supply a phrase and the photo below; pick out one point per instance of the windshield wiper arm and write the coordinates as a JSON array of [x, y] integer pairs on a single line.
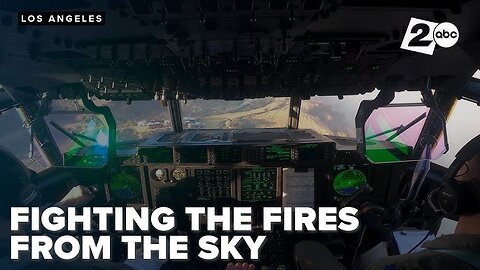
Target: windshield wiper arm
[[78, 135], [399, 130], [383, 132], [67, 134], [402, 129]]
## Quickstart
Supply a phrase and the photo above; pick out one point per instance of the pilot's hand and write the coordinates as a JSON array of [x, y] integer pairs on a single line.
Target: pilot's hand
[[240, 266], [77, 197]]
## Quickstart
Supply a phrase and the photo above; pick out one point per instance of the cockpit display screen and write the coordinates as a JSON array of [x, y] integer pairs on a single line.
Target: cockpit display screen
[[258, 185], [277, 153], [309, 152], [228, 154], [193, 154], [157, 154]]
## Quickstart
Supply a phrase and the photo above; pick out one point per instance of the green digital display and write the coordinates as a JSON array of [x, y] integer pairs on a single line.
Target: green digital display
[[157, 154], [277, 153], [193, 154], [349, 181], [258, 185]]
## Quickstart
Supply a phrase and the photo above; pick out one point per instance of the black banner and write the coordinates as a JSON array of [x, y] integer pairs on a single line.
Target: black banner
[[61, 18]]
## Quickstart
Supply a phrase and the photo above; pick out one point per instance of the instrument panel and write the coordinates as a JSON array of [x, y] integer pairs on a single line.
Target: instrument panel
[[209, 185], [228, 170], [250, 146], [229, 166]]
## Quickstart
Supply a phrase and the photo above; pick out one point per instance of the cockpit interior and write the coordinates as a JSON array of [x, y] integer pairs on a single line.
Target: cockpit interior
[[70, 89]]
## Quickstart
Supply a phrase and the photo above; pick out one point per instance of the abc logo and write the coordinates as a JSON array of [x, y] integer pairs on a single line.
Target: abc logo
[[422, 36], [446, 35]]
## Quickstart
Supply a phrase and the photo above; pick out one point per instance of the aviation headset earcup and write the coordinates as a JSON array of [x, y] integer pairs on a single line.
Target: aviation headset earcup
[[457, 198], [30, 195], [16, 186]]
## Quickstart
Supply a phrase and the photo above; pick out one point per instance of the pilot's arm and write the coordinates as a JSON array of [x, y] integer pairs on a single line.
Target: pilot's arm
[[433, 256]]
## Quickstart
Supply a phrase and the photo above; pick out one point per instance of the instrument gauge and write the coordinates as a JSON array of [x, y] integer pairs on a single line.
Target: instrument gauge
[[179, 174], [125, 186], [159, 174], [349, 181]]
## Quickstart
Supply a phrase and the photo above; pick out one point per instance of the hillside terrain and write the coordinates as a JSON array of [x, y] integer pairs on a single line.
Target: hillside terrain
[[143, 119], [316, 114]]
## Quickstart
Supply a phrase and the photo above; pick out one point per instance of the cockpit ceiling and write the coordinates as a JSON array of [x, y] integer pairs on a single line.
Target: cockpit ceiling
[[236, 49]]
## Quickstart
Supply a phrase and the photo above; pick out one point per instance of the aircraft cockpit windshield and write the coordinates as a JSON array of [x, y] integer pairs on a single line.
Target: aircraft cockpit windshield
[[268, 112]]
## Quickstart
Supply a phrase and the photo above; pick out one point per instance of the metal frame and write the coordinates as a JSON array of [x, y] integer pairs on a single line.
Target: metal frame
[[175, 114], [294, 112]]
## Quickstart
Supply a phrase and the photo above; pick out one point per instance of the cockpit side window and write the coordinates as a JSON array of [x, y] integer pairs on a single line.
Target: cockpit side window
[[461, 128], [15, 137], [138, 120], [81, 135], [330, 115]]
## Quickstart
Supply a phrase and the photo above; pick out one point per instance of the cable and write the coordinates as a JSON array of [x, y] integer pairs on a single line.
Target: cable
[[421, 241], [358, 246], [430, 232], [407, 185]]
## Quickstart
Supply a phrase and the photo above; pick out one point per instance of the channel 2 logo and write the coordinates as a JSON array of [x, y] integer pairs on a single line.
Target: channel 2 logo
[[422, 36]]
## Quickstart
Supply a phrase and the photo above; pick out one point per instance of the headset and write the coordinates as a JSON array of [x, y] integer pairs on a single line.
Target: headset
[[458, 198], [17, 187]]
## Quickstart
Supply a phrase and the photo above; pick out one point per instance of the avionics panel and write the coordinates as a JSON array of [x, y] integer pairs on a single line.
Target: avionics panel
[[228, 154], [258, 185], [269, 154], [213, 184], [299, 154], [193, 154], [277, 153], [313, 152], [157, 154], [265, 147]]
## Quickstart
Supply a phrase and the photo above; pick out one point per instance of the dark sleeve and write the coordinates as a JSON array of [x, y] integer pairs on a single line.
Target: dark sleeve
[[422, 260], [77, 265], [465, 242]]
